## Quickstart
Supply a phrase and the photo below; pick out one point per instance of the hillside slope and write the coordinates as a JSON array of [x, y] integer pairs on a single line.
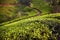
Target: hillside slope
[[44, 27]]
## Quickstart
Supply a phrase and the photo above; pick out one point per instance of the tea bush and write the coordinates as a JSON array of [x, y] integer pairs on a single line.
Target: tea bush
[[44, 27]]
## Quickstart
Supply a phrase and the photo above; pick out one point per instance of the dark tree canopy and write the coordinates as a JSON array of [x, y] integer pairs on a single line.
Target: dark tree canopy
[[25, 2]]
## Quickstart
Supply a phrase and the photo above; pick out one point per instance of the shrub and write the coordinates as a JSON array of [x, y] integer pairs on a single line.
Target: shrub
[[35, 28]]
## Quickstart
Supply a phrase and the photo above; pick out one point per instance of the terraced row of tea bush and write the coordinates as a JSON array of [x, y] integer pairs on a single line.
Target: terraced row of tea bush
[[25, 17], [44, 27]]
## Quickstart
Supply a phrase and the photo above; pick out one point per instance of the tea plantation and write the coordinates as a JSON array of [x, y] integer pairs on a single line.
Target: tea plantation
[[44, 27]]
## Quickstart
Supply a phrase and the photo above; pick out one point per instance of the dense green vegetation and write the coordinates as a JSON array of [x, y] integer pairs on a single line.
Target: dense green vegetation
[[29, 20], [22, 18], [44, 27], [11, 12]]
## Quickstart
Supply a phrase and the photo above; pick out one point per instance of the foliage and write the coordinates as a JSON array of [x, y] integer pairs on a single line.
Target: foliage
[[10, 12], [42, 5], [7, 10], [6, 13], [35, 28], [57, 15]]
